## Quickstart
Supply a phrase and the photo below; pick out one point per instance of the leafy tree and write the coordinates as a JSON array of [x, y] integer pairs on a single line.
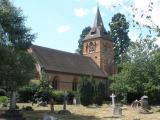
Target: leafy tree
[[16, 65], [140, 74], [119, 28], [85, 31], [86, 91]]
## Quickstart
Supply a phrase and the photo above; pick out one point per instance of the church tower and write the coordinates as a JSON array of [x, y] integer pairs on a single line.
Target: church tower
[[98, 46]]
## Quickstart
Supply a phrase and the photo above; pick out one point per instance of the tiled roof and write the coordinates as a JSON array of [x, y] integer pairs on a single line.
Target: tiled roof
[[60, 61]]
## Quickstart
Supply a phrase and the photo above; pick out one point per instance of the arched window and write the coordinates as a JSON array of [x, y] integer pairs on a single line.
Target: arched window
[[55, 83], [74, 84], [91, 47]]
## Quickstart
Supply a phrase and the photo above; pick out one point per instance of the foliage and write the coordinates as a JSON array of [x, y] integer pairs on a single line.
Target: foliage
[[71, 95], [139, 75], [146, 15], [85, 31], [100, 93], [119, 28], [4, 100], [26, 93], [58, 97], [12, 21], [16, 65], [44, 91], [86, 91]]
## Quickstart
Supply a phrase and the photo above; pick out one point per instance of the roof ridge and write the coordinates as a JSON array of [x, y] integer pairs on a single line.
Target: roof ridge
[[58, 50]]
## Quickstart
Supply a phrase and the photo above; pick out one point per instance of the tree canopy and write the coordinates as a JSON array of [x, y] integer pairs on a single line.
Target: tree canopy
[[16, 65], [140, 72], [85, 31], [119, 28]]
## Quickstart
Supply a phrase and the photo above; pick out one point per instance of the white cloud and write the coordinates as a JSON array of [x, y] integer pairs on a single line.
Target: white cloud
[[80, 12], [64, 28]]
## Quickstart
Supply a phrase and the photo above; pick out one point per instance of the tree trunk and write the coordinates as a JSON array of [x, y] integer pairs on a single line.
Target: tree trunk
[[13, 100]]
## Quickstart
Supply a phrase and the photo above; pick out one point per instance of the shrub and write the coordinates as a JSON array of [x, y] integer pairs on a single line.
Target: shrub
[[71, 95], [43, 94], [26, 93], [86, 91], [58, 97], [100, 93], [4, 100]]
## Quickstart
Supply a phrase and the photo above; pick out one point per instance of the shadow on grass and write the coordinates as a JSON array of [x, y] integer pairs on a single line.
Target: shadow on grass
[[38, 115]]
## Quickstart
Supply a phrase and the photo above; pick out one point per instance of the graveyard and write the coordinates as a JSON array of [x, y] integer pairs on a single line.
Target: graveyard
[[79, 60], [80, 112]]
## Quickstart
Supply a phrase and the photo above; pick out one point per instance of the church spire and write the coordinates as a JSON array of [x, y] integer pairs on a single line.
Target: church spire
[[98, 19], [98, 29]]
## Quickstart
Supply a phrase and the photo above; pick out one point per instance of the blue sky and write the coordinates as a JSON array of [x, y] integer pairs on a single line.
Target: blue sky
[[58, 23]]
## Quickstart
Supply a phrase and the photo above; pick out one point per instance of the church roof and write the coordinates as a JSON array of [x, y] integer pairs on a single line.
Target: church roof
[[60, 61], [98, 30]]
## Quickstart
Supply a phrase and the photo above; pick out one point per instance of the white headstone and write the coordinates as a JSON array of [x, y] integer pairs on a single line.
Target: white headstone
[[74, 101]]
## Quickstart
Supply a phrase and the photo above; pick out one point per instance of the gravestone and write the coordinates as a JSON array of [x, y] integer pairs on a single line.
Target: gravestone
[[52, 104], [48, 117], [74, 101], [116, 108], [145, 108], [141, 106], [65, 111]]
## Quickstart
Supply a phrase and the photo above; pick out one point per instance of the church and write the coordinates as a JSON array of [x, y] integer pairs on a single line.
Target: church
[[64, 69]]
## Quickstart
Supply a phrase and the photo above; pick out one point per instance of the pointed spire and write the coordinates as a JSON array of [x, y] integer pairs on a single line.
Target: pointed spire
[[98, 19], [98, 30]]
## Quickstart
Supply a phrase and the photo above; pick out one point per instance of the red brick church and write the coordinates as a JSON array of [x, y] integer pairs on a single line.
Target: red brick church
[[65, 69]]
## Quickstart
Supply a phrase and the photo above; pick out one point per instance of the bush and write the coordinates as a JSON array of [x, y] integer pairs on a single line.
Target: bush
[[71, 95], [43, 94], [26, 93], [58, 97], [4, 101], [100, 93], [86, 91]]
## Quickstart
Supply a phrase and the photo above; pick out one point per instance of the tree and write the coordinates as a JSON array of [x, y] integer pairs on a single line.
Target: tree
[[119, 28], [100, 93], [85, 31], [139, 75], [16, 65], [86, 91], [44, 92]]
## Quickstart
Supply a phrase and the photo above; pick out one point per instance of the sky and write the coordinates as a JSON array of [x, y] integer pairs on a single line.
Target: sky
[[59, 23]]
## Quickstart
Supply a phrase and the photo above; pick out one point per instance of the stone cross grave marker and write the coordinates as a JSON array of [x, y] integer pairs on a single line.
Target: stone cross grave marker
[[116, 110], [113, 100]]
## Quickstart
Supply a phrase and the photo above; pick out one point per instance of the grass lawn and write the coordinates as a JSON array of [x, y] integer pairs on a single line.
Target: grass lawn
[[88, 113], [80, 112]]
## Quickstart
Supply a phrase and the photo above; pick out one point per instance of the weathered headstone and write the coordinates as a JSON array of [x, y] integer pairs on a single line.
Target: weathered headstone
[[145, 108], [116, 108]]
